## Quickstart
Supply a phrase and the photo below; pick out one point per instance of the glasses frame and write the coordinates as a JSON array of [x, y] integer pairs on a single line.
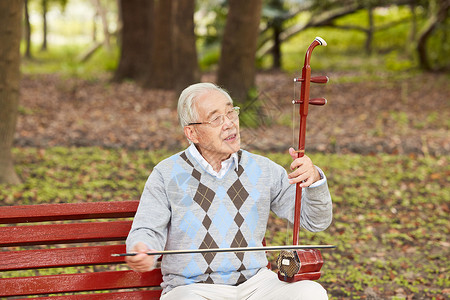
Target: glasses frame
[[235, 109]]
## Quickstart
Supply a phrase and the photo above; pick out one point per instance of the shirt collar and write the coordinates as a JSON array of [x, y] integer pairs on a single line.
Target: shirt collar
[[226, 164]]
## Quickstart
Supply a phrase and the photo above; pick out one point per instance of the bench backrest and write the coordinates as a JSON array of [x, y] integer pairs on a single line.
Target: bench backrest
[[36, 239]]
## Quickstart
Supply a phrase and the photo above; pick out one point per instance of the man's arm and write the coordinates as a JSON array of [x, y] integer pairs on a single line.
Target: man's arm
[[149, 229], [316, 209]]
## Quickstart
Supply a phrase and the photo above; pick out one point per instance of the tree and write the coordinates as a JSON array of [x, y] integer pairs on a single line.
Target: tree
[[237, 59], [185, 61], [134, 62], [158, 44], [27, 31], [322, 15], [10, 35], [44, 25], [369, 31], [101, 11], [161, 55], [276, 13], [325, 13], [438, 12]]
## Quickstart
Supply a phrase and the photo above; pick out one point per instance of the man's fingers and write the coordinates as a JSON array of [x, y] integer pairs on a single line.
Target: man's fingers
[[293, 154], [307, 182], [141, 262], [142, 265], [304, 177], [136, 258]]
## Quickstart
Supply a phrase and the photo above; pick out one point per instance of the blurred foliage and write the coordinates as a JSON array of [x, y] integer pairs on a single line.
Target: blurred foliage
[[345, 51]]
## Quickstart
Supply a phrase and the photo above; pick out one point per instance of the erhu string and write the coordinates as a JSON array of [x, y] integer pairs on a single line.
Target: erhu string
[[293, 117], [293, 145]]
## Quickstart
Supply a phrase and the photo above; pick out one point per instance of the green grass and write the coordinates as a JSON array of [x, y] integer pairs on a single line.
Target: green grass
[[390, 211], [65, 60], [390, 225], [78, 174]]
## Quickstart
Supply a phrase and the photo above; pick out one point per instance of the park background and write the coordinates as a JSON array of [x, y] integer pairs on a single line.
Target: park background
[[95, 114]]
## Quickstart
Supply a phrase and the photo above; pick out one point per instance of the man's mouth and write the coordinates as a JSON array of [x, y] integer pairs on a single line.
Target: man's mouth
[[230, 137]]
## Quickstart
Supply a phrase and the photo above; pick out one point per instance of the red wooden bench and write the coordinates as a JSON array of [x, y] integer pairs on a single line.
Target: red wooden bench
[[83, 235]]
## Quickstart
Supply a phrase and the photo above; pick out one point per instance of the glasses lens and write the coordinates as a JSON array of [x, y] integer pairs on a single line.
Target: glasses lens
[[217, 121], [233, 114]]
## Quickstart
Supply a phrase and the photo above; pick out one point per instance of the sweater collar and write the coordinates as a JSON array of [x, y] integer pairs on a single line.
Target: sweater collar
[[226, 164]]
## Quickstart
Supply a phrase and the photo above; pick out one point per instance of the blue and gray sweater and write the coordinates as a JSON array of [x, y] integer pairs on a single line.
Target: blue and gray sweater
[[184, 207]]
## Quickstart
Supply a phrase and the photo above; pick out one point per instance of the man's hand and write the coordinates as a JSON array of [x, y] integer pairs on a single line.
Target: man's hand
[[304, 170], [141, 262]]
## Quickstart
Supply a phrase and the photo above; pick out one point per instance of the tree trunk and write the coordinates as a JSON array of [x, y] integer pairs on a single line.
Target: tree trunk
[[370, 30], [119, 23], [10, 35], [150, 33], [237, 60], [94, 27], [185, 61], [276, 24], [27, 32], [101, 11], [413, 30], [438, 11], [276, 50], [161, 75], [135, 39], [44, 25]]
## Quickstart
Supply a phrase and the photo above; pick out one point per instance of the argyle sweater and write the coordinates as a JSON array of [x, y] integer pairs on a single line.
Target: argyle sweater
[[184, 207]]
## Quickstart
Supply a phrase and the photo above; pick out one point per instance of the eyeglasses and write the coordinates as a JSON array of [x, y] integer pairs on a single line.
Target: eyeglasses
[[232, 115]]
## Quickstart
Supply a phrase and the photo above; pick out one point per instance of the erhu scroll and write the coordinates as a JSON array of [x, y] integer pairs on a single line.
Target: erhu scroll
[[302, 264]]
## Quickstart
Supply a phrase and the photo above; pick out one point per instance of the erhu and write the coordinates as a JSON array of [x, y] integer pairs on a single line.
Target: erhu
[[304, 264]]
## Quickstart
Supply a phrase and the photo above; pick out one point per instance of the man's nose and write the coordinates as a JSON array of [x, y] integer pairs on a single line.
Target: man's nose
[[227, 122]]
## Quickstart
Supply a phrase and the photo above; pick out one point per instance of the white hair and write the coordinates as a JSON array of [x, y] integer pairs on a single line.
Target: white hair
[[187, 113]]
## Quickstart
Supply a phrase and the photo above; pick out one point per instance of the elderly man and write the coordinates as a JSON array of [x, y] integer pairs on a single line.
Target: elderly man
[[216, 195]]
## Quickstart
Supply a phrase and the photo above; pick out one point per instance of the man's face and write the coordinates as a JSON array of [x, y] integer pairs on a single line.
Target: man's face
[[215, 143]]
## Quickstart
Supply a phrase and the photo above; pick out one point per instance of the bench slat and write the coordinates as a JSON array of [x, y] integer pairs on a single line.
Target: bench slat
[[64, 233], [134, 295], [60, 257], [66, 283], [67, 211]]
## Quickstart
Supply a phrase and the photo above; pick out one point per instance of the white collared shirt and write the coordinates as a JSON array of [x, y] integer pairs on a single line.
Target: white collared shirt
[[226, 164]]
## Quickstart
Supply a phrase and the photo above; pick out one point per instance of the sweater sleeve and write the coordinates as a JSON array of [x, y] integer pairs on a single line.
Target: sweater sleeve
[[316, 208], [150, 224]]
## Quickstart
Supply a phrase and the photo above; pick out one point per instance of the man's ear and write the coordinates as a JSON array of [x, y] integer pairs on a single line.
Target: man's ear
[[191, 133]]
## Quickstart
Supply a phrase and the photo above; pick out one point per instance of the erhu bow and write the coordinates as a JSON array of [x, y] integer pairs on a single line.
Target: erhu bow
[[302, 264]]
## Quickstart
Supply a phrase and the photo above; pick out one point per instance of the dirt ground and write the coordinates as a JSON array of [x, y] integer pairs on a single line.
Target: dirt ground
[[394, 116]]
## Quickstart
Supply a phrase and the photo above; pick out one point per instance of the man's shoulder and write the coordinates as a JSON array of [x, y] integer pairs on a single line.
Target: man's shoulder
[[171, 160]]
